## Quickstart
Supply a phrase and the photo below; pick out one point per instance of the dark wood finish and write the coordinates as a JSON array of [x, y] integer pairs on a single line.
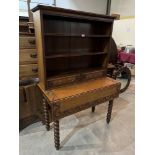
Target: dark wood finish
[[70, 42], [56, 135], [109, 111], [73, 51], [46, 115], [69, 12]]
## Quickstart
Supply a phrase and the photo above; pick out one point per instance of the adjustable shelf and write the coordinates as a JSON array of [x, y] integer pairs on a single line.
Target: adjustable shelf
[[75, 35], [74, 55]]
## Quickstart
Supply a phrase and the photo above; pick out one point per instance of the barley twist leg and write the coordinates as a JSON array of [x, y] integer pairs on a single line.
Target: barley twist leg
[[93, 109], [46, 115], [56, 135], [109, 111]]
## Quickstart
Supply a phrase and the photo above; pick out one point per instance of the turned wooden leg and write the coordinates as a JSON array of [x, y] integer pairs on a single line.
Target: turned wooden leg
[[56, 135], [93, 109], [109, 111], [46, 115]]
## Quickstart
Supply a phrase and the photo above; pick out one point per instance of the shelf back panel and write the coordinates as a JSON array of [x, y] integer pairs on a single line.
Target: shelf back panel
[[57, 24], [73, 45], [60, 66]]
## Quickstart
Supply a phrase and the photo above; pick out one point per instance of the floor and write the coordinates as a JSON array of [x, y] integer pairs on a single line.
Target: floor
[[87, 133]]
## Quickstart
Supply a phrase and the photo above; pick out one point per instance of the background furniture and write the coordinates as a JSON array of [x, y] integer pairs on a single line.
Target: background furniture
[[73, 50], [126, 57], [117, 69], [30, 107], [27, 51]]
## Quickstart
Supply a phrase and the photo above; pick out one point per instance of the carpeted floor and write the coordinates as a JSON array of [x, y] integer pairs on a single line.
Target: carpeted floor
[[87, 133]]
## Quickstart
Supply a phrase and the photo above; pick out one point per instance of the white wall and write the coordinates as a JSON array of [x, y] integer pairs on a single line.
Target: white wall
[[96, 6], [124, 31], [123, 7]]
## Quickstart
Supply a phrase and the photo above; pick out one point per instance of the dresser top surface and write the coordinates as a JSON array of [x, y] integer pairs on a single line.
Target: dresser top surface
[[76, 12], [78, 88]]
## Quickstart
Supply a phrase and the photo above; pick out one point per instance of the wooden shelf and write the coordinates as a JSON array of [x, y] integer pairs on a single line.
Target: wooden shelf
[[75, 35], [74, 55]]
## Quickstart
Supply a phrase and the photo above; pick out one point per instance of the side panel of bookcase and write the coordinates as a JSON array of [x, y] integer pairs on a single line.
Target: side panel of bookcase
[[40, 47]]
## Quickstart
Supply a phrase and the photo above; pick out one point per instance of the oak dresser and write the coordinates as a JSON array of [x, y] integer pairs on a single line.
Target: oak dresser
[[73, 52]]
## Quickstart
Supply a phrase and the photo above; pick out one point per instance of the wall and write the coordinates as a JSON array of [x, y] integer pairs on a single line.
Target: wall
[[123, 7], [23, 9], [96, 6], [124, 31]]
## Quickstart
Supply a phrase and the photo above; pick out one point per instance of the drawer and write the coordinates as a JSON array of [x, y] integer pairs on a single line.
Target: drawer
[[28, 70], [27, 56], [27, 42], [60, 81], [93, 74], [74, 78]]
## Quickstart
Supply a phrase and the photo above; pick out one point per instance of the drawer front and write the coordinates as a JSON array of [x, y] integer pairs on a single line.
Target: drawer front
[[83, 101], [27, 42], [74, 78], [93, 75], [27, 56], [61, 81], [28, 70]]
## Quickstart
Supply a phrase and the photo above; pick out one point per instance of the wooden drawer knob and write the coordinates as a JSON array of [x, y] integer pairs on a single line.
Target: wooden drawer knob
[[35, 69], [33, 55], [32, 42]]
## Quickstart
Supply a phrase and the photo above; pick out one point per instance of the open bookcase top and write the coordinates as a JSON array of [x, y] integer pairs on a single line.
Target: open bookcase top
[[69, 11], [72, 45]]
